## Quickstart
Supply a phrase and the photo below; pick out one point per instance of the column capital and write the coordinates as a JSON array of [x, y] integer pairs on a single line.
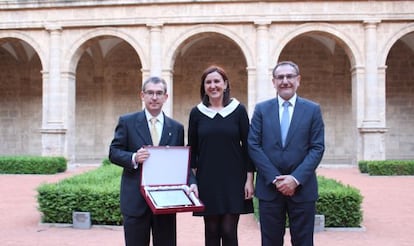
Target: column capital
[[262, 22], [145, 72], [53, 129], [371, 22], [153, 25], [52, 27], [251, 69], [167, 71], [68, 74], [372, 129], [357, 69]]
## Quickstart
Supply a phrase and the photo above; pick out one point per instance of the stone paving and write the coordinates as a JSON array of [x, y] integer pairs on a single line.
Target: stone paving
[[388, 215]]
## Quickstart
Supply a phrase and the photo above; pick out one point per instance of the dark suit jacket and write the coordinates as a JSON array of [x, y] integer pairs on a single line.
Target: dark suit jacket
[[301, 155], [132, 133]]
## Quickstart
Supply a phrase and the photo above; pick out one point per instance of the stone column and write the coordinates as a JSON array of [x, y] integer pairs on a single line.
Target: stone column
[[373, 125], [168, 109], [371, 83], [155, 49], [53, 126], [251, 88], [145, 76], [263, 81], [358, 75], [68, 81]]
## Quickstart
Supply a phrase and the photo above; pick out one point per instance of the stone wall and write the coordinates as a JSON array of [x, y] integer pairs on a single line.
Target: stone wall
[[66, 78]]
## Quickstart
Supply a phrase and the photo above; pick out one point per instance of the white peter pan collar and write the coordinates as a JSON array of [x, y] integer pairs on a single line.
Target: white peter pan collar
[[223, 112]]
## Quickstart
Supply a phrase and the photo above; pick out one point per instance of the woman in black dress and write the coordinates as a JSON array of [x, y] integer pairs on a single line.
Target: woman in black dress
[[217, 134]]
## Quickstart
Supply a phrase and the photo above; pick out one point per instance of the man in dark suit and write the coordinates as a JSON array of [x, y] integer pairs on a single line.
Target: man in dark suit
[[286, 182], [127, 150]]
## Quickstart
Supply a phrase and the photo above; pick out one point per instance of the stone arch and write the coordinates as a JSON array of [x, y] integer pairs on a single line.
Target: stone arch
[[396, 58], [74, 53], [219, 29], [106, 79], [21, 90], [326, 64], [29, 40], [351, 49], [394, 37], [190, 50]]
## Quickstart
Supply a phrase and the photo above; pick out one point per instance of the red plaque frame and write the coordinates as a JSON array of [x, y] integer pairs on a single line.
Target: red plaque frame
[[164, 179]]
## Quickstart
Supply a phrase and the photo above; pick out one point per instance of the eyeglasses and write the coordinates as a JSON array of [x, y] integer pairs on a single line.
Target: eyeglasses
[[157, 94], [280, 77]]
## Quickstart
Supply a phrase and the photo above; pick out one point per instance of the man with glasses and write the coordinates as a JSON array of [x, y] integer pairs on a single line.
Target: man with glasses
[[286, 144], [134, 131]]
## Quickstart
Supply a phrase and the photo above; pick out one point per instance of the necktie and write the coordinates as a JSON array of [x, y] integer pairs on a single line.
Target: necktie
[[154, 132], [284, 123]]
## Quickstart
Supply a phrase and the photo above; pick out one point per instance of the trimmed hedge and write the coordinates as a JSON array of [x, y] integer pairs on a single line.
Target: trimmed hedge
[[363, 166], [387, 167], [96, 191], [32, 164], [341, 204]]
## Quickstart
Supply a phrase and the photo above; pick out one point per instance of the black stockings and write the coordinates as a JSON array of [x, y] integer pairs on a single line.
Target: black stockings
[[221, 228]]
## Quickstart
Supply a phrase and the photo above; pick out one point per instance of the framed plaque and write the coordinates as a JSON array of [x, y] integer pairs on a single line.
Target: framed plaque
[[164, 180]]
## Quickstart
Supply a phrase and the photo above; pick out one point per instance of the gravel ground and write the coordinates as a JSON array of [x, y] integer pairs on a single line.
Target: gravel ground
[[388, 214]]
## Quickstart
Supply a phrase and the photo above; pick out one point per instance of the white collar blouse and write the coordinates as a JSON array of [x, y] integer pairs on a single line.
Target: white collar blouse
[[223, 112]]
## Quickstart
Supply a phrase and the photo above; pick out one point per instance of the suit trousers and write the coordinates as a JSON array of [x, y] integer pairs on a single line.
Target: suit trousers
[[273, 221], [137, 229]]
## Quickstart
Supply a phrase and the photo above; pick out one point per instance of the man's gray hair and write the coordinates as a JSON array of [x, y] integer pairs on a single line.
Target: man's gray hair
[[290, 63], [155, 80]]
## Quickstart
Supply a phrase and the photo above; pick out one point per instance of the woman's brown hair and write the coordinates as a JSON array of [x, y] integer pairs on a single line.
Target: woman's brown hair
[[226, 92]]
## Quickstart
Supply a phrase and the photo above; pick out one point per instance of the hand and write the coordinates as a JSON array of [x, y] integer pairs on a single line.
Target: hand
[[248, 191], [193, 188], [141, 155], [249, 187], [286, 185]]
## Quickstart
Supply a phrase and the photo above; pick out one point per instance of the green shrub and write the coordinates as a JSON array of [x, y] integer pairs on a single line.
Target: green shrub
[[106, 162], [340, 204], [363, 166], [96, 191], [32, 164], [387, 167]]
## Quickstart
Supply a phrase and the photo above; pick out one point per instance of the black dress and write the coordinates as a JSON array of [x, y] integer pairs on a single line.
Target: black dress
[[218, 143]]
